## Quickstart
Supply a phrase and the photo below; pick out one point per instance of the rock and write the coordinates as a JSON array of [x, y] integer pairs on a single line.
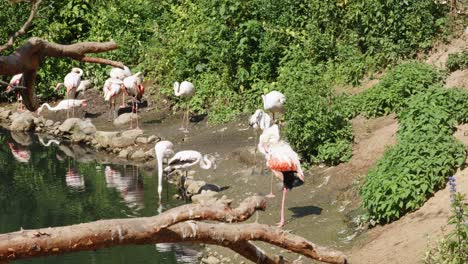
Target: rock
[[194, 186], [38, 121], [210, 260], [49, 123], [105, 138], [57, 123], [87, 127], [22, 122], [142, 140], [152, 139], [139, 154], [150, 154], [5, 114], [176, 196], [69, 124], [123, 154], [124, 119]]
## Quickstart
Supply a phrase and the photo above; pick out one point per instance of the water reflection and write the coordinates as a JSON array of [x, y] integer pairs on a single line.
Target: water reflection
[[63, 185], [21, 154], [128, 185], [184, 253]]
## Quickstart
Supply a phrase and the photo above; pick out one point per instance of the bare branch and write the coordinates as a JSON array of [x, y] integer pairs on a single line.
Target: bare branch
[[22, 30], [165, 228], [28, 58]]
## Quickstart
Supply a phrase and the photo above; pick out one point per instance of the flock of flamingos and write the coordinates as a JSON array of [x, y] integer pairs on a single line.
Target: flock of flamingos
[[280, 158]]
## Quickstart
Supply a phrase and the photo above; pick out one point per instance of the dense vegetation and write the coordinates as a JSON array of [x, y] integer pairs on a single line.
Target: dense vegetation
[[457, 61], [233, 52]]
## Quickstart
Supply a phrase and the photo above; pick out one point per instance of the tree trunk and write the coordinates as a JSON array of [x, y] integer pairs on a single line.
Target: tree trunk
[[175, 225]]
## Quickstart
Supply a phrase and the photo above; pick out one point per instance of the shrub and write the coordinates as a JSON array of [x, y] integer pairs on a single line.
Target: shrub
[[392, 93], [426, 155], [457, 61]]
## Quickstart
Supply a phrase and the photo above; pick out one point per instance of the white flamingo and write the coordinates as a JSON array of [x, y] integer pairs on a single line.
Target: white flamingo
[[15, 81], [274, 102], [259, 121], [63, 105], [269, 136], [188, 158], [186, 90], [112, 88], [163, 150], [71, 82], [134, 87], [121, 74], [84, 85], [284, 163]]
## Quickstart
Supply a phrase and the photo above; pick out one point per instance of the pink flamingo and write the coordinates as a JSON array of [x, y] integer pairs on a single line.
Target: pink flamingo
[[15, 81], [269, 136], [71, 81], [134, 88], [112, 88], [284, 163]]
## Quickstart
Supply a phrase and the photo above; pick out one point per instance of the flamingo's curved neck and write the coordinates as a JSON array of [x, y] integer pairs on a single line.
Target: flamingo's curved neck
[[205, 163], [159, 157]]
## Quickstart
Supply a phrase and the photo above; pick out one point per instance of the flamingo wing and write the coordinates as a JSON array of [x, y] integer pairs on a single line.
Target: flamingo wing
[[184, 159]]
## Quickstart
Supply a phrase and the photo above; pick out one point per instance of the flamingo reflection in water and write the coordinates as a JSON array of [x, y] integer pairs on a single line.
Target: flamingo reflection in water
[[130, 189], [21, 154], [74, 179]]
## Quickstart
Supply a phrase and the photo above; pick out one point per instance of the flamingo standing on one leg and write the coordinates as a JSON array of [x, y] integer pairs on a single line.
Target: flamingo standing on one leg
[[188, 158], [269, 136], [274, 102], [121, 74], [112, 88], [71, 82], [163, 150], [64, 105], [187, 90], [134, 88], [285, 164], [15, 81]]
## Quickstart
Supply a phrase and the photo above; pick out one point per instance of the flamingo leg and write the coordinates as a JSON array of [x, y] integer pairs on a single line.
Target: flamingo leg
[[123, 100], [281, 223], [271, 195], [182, 128], [136, 112], [68, 108], [187, 117], [131, 116]]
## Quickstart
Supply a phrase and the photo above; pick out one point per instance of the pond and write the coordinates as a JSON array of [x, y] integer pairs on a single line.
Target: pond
[[41, 186]]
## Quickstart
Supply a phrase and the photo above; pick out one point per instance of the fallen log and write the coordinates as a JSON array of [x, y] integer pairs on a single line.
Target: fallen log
[[175, 225]]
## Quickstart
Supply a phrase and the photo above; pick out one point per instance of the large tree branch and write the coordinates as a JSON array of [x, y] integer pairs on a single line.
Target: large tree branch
[[22, 30], [164, 228], [28, 58]]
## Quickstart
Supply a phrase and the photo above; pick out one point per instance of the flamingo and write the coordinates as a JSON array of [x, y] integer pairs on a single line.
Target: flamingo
[[120, 74], [163, 150], [74, 180], [71, 82], [112, 88], [63, 105], [187, 158], [84, 85], [20, 154], [274, 102], [284, 163], [187, 90], [269, 136], [259, 121], [133, 87], [15, 81]]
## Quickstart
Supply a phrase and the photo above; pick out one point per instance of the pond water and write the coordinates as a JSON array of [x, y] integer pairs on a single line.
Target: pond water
[[42, 186]]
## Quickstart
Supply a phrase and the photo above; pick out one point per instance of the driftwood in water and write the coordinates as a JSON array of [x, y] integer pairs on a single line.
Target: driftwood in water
[[175, 225]]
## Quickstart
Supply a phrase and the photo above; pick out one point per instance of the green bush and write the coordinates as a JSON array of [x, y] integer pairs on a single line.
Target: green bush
[[457, 61], [394, 90], [314, 126], [425, 156]]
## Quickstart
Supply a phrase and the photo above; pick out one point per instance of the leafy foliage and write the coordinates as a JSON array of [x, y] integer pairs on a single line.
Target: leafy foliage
[[457, 61], [392, 93], [426, 155]]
